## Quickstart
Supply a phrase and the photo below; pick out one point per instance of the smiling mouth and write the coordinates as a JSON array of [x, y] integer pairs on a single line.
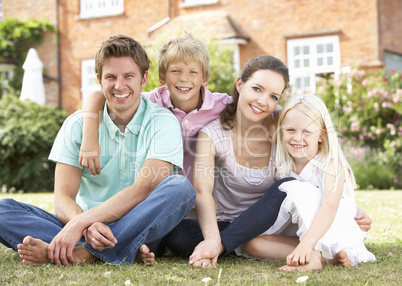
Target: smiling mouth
[[184, 88], [121, 96], [257, 110], [297, 146]]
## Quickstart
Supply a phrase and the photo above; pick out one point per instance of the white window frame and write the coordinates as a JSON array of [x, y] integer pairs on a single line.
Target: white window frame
[[1, 10], [192, 3], [89, 81], [315, 53], [100, 8]]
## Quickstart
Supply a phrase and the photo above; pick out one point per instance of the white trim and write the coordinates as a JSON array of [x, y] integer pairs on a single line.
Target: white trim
[[89, 80], [158, 25], [308, 57], [193, 3], [100, 8]]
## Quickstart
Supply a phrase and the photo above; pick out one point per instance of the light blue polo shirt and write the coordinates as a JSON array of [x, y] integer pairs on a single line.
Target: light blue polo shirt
[[153, 133]]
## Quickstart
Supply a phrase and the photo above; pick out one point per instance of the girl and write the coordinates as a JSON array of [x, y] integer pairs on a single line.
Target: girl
[[321, 201]]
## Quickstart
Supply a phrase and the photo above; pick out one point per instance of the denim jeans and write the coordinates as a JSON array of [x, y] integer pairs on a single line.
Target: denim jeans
[[148, 222], [252, 222]]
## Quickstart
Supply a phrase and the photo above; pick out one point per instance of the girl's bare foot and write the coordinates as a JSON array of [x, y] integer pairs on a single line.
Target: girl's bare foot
[[203, 263], [33, 251], [144, 255], [341, 258], [315, 264]]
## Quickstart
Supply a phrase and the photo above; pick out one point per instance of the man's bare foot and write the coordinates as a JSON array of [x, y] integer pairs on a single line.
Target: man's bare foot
[[315, 264], [203, 263], [144, 255], [33, 251], [341, 258]]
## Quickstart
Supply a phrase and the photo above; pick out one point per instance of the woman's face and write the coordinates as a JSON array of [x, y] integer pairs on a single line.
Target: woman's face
[[259, 95]]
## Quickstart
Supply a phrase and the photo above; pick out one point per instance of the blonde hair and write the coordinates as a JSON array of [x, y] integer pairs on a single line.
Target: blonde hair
[[186, 48], [314, 108]]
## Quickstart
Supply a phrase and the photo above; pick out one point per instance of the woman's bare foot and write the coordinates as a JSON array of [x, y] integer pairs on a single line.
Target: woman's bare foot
[[341, 258], [203, 263], [315, 264], [144, 255], [33, 251]]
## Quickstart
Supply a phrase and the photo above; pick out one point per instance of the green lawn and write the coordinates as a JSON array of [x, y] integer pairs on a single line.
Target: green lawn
[[384, 240]]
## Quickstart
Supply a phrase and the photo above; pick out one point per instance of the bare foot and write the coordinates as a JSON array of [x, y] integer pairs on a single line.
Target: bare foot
[[33, 251], [144, 255], [315, 264], [203, 263], [341, 258]]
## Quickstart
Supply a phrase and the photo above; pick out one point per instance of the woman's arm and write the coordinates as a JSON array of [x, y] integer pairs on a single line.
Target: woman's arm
[[203, 180], [91, 115], [333, 189]]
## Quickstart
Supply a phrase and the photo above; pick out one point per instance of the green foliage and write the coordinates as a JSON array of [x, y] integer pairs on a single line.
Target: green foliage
[[27, 132], [16, 37], [368, 108], [223, 74]]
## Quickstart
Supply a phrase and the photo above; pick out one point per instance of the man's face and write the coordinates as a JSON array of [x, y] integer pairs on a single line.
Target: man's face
[[121, 84]]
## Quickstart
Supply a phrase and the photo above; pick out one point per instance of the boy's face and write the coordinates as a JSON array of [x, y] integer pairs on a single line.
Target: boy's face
[[121, 84], [184, 81]]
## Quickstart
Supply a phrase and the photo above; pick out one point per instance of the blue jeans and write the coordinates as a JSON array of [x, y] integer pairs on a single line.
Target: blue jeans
[[252, 222], [147, 223]]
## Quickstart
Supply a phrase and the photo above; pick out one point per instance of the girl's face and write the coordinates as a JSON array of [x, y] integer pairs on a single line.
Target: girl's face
[[259, 96], [301, 136]]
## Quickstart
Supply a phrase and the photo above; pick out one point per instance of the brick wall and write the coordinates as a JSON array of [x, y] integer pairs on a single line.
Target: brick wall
[[47, 51]]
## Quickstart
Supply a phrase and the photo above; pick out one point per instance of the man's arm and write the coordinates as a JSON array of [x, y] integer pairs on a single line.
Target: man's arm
[[66, 186], [151, 174]]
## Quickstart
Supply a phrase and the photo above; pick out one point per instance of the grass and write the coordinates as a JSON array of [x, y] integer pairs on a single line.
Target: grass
[[384, 240]]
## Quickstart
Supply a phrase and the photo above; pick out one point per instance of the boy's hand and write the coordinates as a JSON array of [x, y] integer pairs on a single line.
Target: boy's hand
[[90, 159]]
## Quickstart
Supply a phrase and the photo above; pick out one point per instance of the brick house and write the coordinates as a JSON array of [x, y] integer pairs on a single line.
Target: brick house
[[311, 36]]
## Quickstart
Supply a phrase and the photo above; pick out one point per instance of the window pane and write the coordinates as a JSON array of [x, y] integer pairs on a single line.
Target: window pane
[[330, 61], [306, 63], [330, 48], [296, 51], [320, 49], [297, 63], [306, 82], [306, 50], [320, 61]]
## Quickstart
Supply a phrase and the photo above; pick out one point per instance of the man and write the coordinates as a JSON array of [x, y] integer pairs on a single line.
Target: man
[[134, 202]]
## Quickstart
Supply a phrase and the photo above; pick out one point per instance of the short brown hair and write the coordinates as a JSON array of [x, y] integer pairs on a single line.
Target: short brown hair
[[121, 46]]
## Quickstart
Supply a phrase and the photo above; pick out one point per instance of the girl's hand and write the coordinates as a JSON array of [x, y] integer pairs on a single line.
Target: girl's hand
[[300, 256], [90, 159], [363, 220]]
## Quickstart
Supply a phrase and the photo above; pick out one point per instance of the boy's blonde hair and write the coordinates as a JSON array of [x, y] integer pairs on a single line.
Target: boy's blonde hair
[[186, 48], [329, 148]]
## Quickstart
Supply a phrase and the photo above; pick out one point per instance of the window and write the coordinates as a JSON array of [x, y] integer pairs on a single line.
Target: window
[[89, 82], [392, 61], [101, 8], [311, 57], [191, 3]]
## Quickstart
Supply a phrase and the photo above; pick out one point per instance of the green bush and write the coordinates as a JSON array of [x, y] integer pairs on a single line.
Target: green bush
[[27, 132], [368, 107]]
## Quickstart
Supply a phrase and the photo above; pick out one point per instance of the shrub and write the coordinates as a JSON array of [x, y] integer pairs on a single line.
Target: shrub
[[27, 132], [368, 108]]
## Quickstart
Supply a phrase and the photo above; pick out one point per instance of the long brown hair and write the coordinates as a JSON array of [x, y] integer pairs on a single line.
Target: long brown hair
[[264, 62]]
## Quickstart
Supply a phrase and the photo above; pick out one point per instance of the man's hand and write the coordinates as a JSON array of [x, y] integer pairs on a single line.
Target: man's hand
[[100, 236], [206, 249], [60, 249], [363, 220]]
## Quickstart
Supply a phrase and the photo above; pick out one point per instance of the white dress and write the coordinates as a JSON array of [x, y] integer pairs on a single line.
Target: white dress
[[304, 197]]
